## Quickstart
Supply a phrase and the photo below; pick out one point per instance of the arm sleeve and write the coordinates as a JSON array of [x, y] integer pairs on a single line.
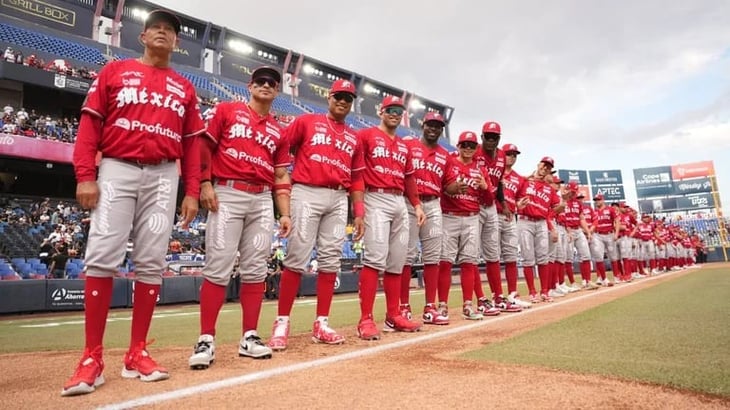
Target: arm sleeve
[[87, 143]]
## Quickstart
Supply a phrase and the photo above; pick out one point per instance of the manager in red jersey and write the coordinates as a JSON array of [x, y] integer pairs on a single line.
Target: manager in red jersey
[[244, 160], [492, 159], [430, 162], [536, 199], [387, 176], [605, 233], [143, 117], [325, 149]]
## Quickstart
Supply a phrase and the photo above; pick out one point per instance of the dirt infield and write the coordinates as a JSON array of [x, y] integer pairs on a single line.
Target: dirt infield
[[423, 375]]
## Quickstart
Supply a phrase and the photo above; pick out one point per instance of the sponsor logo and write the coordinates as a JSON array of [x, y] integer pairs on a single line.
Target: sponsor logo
[[133, 82], [705, 185], [181, 51], [6, 140], [244, 156], [175, 87], [699, 201], [43, 10], [67, 295], [137, 74], [654, 179], [157, 129]]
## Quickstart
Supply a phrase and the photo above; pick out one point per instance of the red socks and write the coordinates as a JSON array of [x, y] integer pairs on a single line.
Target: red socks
[[288, 289], [368, 286], [569, 271], [405, 284], [529, 272], [544, 272], [468, 273], [585, 270], [494, 276], [391, 288], [430, 281], [212, 297], [444, 285], [325, 292], [145, 299], [97, 299], [252, 296], [510, 271]]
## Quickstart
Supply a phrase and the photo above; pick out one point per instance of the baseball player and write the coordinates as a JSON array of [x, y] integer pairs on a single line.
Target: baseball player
[[557, 245], [325, 160], [646, 230], [579, 235], [661, 247], [143, 117], [245, 159], [535, 200], [430, 162], [625, 243], [605, 233], [388, 174], [492, 159], [465, 182], [508, 244]]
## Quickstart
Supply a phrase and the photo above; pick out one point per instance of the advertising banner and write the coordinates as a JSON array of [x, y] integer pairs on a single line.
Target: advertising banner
[[23, 74], [606, 177], [693, 170], [701, 201], [656, 181], [610, 193], [649, 206], [568, 175], [31, 148], [692, 186], [60, 15]]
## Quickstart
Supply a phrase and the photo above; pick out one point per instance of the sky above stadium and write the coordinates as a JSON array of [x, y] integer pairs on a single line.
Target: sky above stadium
[[597, 85]]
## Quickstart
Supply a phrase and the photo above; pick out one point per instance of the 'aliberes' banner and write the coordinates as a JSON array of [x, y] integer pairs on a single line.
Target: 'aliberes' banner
[[655, 181], [568, 175], [693, 186], [606, 177]]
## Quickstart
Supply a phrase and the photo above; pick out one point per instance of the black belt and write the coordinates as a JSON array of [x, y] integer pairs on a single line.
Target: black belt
[[145, 163], [425, 198]]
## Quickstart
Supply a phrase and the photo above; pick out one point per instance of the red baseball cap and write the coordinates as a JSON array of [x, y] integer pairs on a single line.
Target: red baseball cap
[[468, 136], [510, 148], [266, 71], [434, 116], [343, 86], [162, 15], [573, 186], [491, 127], [598, 197], [549, 161], [392, 101], [557, 180]]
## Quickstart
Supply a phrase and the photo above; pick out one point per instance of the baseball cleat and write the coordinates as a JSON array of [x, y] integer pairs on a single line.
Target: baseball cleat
[[204, 354], [252, 346]]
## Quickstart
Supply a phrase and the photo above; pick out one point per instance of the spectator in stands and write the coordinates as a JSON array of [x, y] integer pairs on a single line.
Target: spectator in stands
[[46, 252], [58, 261], [273, 276], [9, 55]]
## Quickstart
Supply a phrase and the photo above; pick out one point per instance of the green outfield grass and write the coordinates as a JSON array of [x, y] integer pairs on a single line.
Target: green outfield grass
[[676, 333]]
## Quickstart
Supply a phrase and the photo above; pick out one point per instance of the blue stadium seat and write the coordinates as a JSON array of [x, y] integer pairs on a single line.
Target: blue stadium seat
[[49, 44]]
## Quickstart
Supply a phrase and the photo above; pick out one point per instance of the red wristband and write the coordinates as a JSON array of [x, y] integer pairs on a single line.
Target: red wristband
[[283, 187], [358, 209]]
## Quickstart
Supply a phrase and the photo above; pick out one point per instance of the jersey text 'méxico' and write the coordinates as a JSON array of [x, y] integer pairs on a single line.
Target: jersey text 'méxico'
[[468, 174], [495, 169], [146, 112], [603, 219], [429, 167], [511, 182], [387, 159], [542, 198], [645, 231], [249, 146], [572, 213], [326, 151]]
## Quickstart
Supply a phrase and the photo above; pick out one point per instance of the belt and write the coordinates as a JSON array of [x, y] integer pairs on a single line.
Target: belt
[[336, 187], [425, 198], [604, 233], [461, 213], [529, 218], [243, 186], [385, 191], [144, 163]]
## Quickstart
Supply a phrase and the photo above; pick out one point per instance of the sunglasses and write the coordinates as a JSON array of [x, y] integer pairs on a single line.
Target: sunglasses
[[468, 145], [265, 80], [343, 96], [511, 154], [394, 110]]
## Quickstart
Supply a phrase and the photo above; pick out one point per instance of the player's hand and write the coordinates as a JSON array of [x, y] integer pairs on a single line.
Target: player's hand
[[554, 235], [87, 194], [482, 183], [208, 198], [359, 229], [284, 226], [461, 185], [615, 236], [420, 216], [507, 213], [523, 202], [189, 210]]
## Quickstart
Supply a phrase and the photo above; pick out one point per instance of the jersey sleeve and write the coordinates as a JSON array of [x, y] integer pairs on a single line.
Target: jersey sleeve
[[193, 122], [216, 122], [282, 156], [294, 133], [97, 97]]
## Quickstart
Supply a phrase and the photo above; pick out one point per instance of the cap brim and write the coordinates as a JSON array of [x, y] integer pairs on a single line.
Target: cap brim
[[266, 72], [164, 15]]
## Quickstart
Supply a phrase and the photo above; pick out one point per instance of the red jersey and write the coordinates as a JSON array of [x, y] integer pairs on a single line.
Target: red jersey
[[325, 151], [603, 219], [469, 200], [542, 198], [495, 169], [387, 159], [626, 225], [511, 182], [571, 214], [587, 214], [249, 146], [429, 167], [146, 113], [645, 231]]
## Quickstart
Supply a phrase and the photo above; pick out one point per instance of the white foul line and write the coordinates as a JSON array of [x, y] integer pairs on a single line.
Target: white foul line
[[265, 374]]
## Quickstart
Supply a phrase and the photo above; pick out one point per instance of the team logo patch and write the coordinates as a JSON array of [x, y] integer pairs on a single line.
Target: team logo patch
[[157, 223], [259, 241]]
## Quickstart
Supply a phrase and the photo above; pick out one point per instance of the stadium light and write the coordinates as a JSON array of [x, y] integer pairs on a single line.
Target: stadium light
[[416, 105], [240, 46], [140, 14], [370, 89], [308, 69]]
